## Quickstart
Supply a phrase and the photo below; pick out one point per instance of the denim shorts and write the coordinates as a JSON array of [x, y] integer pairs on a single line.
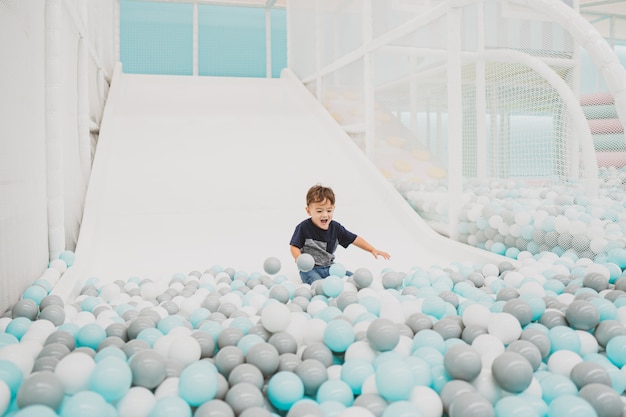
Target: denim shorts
[[318, 272]]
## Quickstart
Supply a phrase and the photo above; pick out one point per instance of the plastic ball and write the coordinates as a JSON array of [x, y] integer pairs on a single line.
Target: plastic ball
[[111, 378], [332, 286], [362, 278], [284, 389], [338, 335], [383, 335], [584, 373], [554, 386], [248, 373], [90, 335], [84, 403], [227, 359], [319, 352], [394, 380], [148, 368], [74, 371], [171, 406], [604, 400], [271, 265], [35, 293], [571, 406], [42, 388], [335, 390], [275, 317], [512, 372], [528, 350], [214, 408], [53, 313], [355, 371], [582, 315], [265, 357], [616, 350], [305, 262], [243, 396], [470, 404], [337, 270], [312, 373], [26, 308], [462, 362], [137, 402]]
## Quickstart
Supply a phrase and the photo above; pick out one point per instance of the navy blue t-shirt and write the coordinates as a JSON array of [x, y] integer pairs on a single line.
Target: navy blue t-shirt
[[320, 243]]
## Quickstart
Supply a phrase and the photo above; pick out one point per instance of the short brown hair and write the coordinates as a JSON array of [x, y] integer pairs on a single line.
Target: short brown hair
[[319, 193]]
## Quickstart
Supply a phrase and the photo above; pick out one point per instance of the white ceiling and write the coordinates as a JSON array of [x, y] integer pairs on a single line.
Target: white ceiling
[[607, 16]]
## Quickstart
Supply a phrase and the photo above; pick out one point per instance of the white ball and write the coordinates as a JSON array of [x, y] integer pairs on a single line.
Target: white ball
[[427, 401], [74, 371], [138, 402], [505, 327], [562, 361], [275, 317]]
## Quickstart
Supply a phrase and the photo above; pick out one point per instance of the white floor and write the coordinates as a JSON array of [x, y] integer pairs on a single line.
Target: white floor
[[196, 171]]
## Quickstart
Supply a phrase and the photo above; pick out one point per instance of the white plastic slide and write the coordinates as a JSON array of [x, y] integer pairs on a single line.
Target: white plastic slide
[[192, 172]]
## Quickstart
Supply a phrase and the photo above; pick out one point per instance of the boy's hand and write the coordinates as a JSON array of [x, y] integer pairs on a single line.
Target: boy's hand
[[378, 253]]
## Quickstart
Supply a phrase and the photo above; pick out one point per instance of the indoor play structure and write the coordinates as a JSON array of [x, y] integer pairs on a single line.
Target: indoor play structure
[[146, 217]]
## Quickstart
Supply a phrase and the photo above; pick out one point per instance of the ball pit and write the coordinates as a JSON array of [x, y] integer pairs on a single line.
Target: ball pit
[[538, 339]]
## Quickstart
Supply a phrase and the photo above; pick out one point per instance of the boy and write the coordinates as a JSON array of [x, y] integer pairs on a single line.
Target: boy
[[319, 235]]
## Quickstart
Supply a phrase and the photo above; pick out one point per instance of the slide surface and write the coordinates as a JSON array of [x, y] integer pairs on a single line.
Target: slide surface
[[192, 172]]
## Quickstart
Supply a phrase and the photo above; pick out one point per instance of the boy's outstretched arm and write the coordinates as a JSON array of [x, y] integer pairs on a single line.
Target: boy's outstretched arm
[[359, 242]]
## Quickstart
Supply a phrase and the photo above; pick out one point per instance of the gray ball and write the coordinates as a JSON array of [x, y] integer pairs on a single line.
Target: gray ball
[[383, 335], [471, 404], [242, 396], [553, 318], [448, 328], [43, 388], [230, 336], [582, 315], [248, 373], [54, 314], [595, 281], [607, 329], [279, 293], [512, 372], [539, 339], [362, 278], [471, 332], [49, 300], [604, 400], [47, 363], [206, 342], [528, 350], [520, 309], [62, 336], [288, 362], [214, 408], [118, 330], [463, 362], [375, 403], [284, 342], [419, 321], [271, 265], [256, 412], [313, 373], [265, 357], [453, 389], [148, 368], [25, 308], [304, 409], [585, 373], [227, 359], [320, 352]]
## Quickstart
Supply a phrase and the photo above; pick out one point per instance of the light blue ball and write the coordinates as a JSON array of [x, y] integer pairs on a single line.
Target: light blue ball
[[332, 286], [150, 335], [284, 389], [355, 371], [570, 406], [198, 383], [198, 315], [36, 410], [428, 338], [394, 380], [84, 403], [246, 342], [434, 306], [12, 375], [498, 248], [35, 293], [111, 378], [335, 390], [170, 406], [337, 270], [338, 335], [564, 338], [616, 350], [90, 335], [18, 327], [513, 405], [68, 257], [554, 386]]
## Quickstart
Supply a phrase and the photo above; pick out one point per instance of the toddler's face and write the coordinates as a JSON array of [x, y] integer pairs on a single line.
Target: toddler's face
[[321, 213]]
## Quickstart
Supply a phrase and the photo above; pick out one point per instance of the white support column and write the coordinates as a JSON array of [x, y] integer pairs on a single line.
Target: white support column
[[84, 138], [54, 129], [318, 50], [455, 121], [116, 31]]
